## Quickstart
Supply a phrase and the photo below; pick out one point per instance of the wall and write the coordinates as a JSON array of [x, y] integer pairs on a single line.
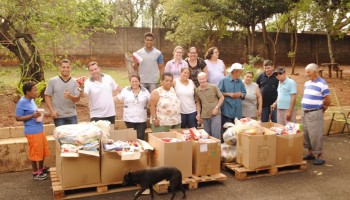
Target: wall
[[108, 49]]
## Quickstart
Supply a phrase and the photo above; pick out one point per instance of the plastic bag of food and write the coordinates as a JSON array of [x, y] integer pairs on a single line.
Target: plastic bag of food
[[105, 127], [79, 134], [230, 136], [228, 153]]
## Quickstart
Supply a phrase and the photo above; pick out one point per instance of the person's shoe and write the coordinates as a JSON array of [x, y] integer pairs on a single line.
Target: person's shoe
[[318, 161], [309, 157], [46, 170], [41, 176]]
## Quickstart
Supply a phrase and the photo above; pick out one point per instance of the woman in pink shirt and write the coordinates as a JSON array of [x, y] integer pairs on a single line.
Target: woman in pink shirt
[[174, 66]]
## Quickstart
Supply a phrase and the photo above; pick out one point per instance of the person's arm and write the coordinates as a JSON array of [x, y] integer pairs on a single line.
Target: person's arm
[[67, 95], [205, 69], [243, 91], [291, 106], [160, 62], [28, 117], [153, 107], [217, 107], [326, 102], [48, 101], [161, 69], [259, 98]]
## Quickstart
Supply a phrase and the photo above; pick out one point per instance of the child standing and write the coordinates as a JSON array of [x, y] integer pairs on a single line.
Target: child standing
[[27, 111]]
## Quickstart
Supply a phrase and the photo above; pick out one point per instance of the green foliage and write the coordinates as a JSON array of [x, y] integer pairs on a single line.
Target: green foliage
[[197, 22], [250, 67]]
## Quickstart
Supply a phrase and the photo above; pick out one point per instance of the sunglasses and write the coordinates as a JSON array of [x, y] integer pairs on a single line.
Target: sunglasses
[[279, 73]]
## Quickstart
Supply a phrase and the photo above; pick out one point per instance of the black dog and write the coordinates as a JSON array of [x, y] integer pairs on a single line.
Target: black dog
[[146, 178]]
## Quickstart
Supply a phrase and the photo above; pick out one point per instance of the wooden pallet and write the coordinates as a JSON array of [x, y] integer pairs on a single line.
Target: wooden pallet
[[189, 182], [242, 173], [85, 190]]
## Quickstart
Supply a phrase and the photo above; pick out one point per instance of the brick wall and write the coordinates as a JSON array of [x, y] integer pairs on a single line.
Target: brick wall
[[108, 49]]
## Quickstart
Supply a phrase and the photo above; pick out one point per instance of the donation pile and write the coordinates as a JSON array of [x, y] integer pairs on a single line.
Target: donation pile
[[81, 138], [289, 128], [242, 126]]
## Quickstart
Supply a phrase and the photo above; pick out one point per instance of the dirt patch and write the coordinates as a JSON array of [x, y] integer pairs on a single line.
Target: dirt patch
[[8, 105]]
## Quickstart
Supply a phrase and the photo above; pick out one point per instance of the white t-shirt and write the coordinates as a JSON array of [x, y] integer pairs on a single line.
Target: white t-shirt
[[135, 106], [100, 96], [185, 93]]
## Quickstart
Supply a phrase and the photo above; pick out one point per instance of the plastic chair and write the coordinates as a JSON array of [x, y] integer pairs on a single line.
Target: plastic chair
[[337, 113]]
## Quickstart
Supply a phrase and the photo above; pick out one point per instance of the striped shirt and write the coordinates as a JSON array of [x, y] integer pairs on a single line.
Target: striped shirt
[[314, 93]]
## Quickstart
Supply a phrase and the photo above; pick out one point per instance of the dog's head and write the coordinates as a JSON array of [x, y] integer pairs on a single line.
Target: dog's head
[[128, 180]]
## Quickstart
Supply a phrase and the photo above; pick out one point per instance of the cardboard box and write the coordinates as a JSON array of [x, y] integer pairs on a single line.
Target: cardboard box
[[256, 151], [113, 168], [289, 148], [176, 154], [77, 171], [206, 157]]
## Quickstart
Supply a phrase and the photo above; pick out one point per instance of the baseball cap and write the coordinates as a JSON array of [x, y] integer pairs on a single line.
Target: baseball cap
[[279, 70], [235, 66]]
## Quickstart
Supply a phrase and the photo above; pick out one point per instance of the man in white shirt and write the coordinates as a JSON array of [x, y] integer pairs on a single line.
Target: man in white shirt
[[99, 88]]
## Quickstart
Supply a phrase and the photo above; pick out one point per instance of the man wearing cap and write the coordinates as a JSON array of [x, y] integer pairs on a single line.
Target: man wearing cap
[[268, 84], [287, 95], [315, 101], [233, 89]]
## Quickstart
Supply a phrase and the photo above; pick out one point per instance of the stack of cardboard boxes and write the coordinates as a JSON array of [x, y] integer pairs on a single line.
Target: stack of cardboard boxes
[[269, 149]]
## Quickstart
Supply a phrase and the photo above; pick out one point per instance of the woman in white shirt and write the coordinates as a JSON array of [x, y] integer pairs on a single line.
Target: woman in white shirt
[[175, 65], [135, 100], [184, 88], [216, 67]]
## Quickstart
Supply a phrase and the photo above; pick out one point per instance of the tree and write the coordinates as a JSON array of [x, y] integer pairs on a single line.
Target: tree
[[248, 13], [197, 22], [129, 10], [30, 27], [334, 15]]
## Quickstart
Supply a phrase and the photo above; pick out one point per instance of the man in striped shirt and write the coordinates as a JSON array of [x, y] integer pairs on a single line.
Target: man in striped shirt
[[315, 101]]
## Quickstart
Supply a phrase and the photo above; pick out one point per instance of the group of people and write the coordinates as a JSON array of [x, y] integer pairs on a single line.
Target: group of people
[[191, 90]]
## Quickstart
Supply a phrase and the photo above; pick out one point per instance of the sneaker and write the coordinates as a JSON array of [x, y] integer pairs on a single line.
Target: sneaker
[[309, 157], [318, 161], [41, 176], [46, 170]]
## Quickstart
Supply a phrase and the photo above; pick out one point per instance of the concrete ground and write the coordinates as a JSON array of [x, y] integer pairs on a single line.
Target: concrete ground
[[330, 181]]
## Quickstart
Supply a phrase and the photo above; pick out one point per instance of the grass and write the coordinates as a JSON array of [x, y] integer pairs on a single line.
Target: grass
[[9, 76]]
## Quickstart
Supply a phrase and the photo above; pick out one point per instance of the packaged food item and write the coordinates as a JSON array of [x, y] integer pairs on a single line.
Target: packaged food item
[[137, 57]]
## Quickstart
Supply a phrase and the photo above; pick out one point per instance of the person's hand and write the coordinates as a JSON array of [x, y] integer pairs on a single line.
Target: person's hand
[[156, 122], [258, 112], [36, 114], [288, 116], [198, 117], [66, 94], [273, 106], [215, 111], [53, 114]]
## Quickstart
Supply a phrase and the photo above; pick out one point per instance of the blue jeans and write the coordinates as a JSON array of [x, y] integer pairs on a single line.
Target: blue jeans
[[189, 120], [266, 112], [149, 86], [65, 120]]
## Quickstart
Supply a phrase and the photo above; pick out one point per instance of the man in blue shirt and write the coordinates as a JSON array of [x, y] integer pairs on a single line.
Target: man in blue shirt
[[234, 91], [287, 95]]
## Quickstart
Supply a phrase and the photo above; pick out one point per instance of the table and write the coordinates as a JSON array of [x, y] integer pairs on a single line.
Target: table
[[330, 67]]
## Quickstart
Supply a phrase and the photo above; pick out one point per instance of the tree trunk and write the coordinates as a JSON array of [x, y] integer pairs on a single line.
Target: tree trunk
[[266, 41], [22, 45], [252, 48], [330, 47]]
